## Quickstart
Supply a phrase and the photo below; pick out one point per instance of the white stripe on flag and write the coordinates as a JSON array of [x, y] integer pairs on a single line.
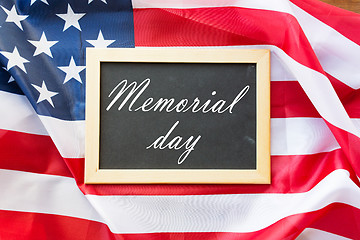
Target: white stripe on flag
[[339, 56], [29, 192], [300, 136], [68, 136], [249, 212], [41, 193], [19, 115], [275, 5], [315, 234]]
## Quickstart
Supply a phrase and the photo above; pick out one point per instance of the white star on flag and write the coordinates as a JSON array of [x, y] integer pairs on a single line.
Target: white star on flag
[[104, 1], [72, 71], [13, 17], [11, 79], [45, 94], [43, 45], [71, 18], [33, 1], [14, 59], [100, 42]]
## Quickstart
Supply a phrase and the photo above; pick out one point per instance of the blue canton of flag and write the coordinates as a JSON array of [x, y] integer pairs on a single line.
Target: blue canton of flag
[[43, 44]]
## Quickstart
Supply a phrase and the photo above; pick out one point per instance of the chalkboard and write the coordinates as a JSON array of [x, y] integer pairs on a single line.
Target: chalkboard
[[177, 116]]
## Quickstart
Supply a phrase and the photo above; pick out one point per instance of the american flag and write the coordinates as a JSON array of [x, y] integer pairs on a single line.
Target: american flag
[[315, 126]]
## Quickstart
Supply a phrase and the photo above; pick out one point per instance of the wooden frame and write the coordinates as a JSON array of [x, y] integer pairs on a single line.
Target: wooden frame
[[204, 176]]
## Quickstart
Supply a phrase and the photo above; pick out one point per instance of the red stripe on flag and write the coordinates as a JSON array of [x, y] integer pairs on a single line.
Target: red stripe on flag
[[288, 99], [350, 145], [340, 219], [24, 225], [223, 26], [30, 152], [352, 104], [349, 97], [337, 218]]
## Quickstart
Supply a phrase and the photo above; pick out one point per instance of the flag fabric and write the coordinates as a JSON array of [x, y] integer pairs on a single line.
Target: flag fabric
[[315, 125]]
